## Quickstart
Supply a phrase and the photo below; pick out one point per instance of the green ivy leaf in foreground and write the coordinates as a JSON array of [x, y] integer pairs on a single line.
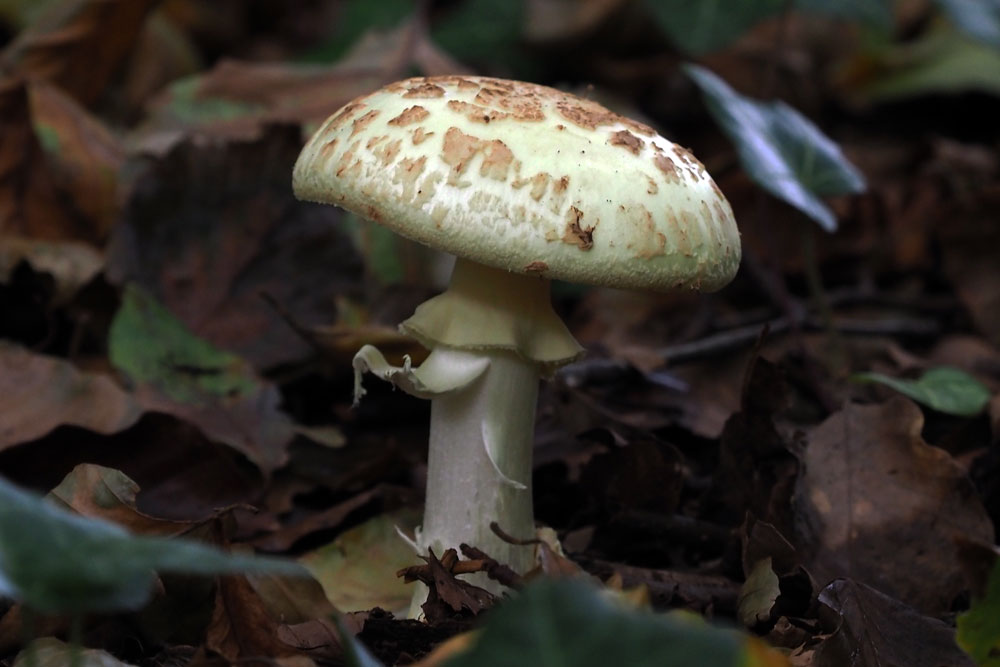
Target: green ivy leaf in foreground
[[58, 562], [563, 622], [979, 628], [945, 389], [780, 149]]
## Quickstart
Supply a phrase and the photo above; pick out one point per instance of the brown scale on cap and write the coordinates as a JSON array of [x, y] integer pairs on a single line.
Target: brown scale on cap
[[342, 116], [576, 234], [538, 266], [360, 123], [420, 134], [476, 113], [667, 166], [627, 140], [414, 114], [424, 90], [458, 149]]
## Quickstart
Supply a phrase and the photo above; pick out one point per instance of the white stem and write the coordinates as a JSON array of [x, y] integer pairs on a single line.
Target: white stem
[[479, 463]]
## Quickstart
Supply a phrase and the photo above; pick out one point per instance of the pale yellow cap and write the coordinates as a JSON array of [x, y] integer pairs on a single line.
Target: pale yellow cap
[[525, 178]]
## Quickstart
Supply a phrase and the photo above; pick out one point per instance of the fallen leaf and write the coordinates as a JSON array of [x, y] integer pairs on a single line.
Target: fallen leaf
[[78, 45], [241, 629], [83, 156], [105, 493], [57, 562], [358, 569], [71, 264], [979, 628], [948, 390], [213, 224], [758, 594], [39, 393], [870, 487], [871, 629], [178, 373], [50, 652]]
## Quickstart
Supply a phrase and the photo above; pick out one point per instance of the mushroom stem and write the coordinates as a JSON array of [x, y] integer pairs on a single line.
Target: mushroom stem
[[479, 463]]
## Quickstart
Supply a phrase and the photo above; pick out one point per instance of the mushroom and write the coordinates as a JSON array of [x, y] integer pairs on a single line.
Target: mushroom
[[524, 184]]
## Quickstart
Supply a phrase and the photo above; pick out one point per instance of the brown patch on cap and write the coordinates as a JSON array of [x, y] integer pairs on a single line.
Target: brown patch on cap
[[653, 187], [345, 159], [538, 266], [476, 113], [328, 148], [420, 134], [586, 114], [627, 140], [693, 164], [341, 117], [539, 183], [459, 148], [388, 152], [374, 141], [497, 159], [521, 103], [362, 122], [407, 171], [652, 243], [561, 184], [414, 114], [575, 233], [667, 166], [424, 90]]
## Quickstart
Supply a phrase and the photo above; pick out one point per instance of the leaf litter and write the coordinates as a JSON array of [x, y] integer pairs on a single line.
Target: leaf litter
[[172, 316]]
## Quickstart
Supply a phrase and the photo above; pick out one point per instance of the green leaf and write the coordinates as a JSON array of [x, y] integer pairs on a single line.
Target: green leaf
[[980, 19], [758, 594], [979, 628], [944, 389], [354, 19], [700, 26], [942, 62], [358, 569], [485, 32], [780, 149], [150, 345], [565, 622], [61, 563], [50, 652]]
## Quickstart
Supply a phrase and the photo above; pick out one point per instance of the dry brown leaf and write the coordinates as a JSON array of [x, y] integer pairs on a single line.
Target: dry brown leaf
[[241, 629], [83, 155], [39, 393], [871, 629], [29, 200], [78, 45], [880, 505], [106, 493]]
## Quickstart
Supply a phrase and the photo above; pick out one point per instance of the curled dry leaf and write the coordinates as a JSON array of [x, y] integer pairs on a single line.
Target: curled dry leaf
[[39, 393], [106, 493], [871, 629], [880, 505]]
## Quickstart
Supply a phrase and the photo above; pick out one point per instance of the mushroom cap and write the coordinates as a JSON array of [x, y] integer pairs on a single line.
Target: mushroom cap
[[525, 178]]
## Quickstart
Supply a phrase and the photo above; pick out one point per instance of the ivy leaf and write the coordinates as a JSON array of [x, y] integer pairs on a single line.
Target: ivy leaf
[[945, 389], [58, 562], [566, 622], [780, 149]]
